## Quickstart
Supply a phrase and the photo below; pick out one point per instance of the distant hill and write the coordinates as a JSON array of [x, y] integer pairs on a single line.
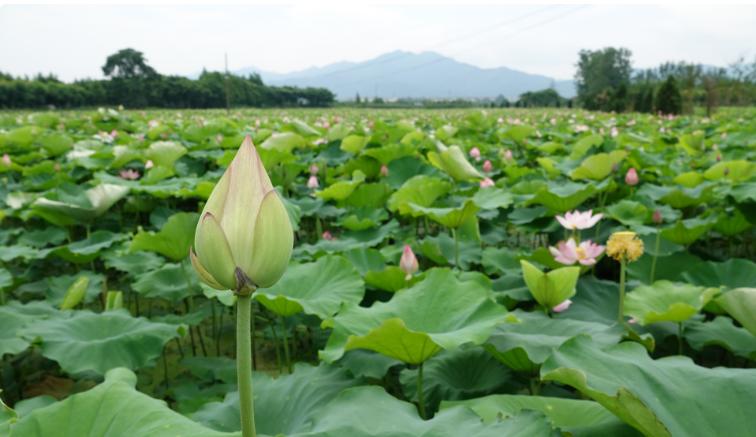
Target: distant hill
[[416, 75]]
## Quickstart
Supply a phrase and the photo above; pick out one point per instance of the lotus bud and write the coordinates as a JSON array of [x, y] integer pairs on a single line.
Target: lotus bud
[[508, 155], [244, 237], [452, 160], [657, 217], [6, 160], [312, 182], [487, 166], [631, 177], [314, 169], [486, 182], [384, 170], [408, 262], [719, 157], [475, 153], [75, 293], [149, 164], [327, 235]]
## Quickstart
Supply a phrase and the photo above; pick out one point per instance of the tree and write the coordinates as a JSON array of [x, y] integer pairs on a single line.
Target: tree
[[127, 64], [668, 98], [603, 78], [544, 98]]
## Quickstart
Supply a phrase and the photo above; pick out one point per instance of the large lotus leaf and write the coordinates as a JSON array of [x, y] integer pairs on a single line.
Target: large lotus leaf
[[9, 253], [283, 142], [452, 160], [173, 240], [736, 171], [285, 405], [133, 263], [371, 412], [342, 189], [6, 279], [740, 303], [388, 153], [449, 217], [492, 198], [318, 288], [721, 332], [598, 166], [668, 267], [562, 196], [576, 416], [742, 193], [165, 153], [100, 342], [666, 397], [69, 210], [528, 338], [678, 197], [365, 260], [552, 288], [462, 373], [57, 286], [84, 251], [421, 190], [732, 222], [43, 237], [628, 212], [666, 301], [354, 143], [583, 145], [114, 409], [687, 231], [733, 273], [441, 312], [14, 317], [391, 279], [171, 281]]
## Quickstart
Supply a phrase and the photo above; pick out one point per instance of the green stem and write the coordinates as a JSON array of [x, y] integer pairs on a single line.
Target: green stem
[[420, 395], [244, 364], [656, 254], [287, 353], [620, 314], [456, 248], [680, 338]]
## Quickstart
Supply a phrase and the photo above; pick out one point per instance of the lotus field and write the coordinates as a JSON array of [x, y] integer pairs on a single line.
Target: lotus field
[[348, 272]]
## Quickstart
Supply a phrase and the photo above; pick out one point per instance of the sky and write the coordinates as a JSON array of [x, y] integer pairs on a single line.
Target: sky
[[73, 41]]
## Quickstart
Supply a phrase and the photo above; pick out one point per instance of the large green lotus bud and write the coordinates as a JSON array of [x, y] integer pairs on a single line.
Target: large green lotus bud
[[452, 160], [244, 237]]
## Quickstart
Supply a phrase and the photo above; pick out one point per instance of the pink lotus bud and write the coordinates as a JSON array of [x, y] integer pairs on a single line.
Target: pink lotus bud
[[408, 262], [129, 174], [486, 182], [657, 217], [631, 177], [314, 169], [113, 133], [487, 166], [327, 235], [384, 170], [326, 125], [508, 155], [312, 183], [6, 160], [719, 157], [614, 132], [149, 164], [562, 306], [475, 153]]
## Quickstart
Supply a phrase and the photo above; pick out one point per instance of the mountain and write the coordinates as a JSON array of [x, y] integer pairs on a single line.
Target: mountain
[[416, 75]]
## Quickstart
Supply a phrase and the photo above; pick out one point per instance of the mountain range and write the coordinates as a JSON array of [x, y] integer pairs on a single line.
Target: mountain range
[[402, 74]]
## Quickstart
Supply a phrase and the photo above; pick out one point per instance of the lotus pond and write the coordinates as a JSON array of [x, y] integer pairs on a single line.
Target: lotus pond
[[481, 273]]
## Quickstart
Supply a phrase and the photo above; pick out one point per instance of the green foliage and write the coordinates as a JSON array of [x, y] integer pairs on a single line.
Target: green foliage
[[603, 78], [668, 98]]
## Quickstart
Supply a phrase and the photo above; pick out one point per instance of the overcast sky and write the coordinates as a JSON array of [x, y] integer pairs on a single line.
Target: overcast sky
[[73, 41]]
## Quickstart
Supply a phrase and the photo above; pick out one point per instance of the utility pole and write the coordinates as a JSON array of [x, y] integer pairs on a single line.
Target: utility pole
[[228, 96]]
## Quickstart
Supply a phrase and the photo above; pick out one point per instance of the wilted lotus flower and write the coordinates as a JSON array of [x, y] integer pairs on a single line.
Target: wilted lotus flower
[[487, 166], [408, 262], [314, 169], [631, 177], [149, 164], [384, 170], [312, 183], [487, 182], [6, 160], [562, 306], [579, 220], [570, 252], [244, 238], [475, 153], [327, 235], [129, 174]]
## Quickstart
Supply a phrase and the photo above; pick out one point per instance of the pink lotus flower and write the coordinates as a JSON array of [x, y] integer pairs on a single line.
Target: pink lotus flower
[[312, 183], [487, 166], [327, 235], [149, 164], [6, 160], [475, 153], [408, 262], [314, 169], [113, 133], [570, 252], [384, 170], [631, 177], [129, 174], [487, 182], [562, 306], [579, 220]]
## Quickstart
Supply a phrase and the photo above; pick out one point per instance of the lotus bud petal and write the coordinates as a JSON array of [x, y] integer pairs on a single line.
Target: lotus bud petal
[[244, 237], [631, 177], [384, 170], [487, 166], [408, 262]]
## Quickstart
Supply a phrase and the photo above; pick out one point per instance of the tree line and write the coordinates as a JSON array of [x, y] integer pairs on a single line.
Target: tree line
[[131, 82]]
